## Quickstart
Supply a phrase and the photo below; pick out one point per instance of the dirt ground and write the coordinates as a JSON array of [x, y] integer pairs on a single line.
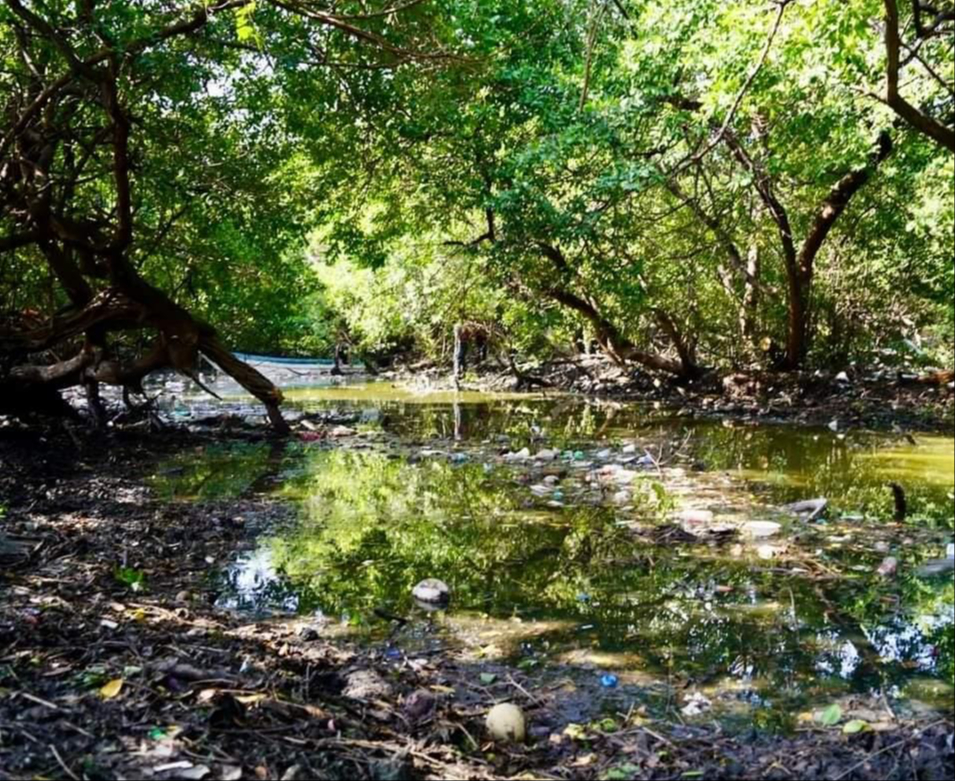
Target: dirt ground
[[101, 679]]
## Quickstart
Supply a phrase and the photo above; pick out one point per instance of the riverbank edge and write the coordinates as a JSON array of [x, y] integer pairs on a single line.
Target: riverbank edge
[[877, 399]]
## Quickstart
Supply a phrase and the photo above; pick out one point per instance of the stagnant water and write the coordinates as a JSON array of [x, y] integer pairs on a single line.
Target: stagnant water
[[570, 561]]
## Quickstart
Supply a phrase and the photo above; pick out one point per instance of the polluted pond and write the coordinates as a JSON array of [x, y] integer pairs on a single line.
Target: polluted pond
[[759, 575]]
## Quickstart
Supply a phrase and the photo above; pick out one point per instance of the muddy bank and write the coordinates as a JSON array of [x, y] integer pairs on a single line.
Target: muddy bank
[[876, 399], [110, 584]]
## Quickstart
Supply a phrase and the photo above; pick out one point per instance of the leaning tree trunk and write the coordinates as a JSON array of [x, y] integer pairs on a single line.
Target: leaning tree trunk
[[612, 342], [87, 250]]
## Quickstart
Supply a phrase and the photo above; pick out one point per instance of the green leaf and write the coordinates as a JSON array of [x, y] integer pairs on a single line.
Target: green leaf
[[488, 678], [621, 773], [245, 29], [134, 578], [855, 726], [830, 716]]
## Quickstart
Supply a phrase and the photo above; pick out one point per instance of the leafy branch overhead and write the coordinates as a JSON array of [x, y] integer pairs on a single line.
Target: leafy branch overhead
[[683, 186], [100, 96]]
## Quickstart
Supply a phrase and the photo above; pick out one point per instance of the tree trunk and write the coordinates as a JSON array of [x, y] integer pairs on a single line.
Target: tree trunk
[[797, 322], [616, 346], [459, 355], [750, 305], [800, 263], [613, 343], [249, 378]]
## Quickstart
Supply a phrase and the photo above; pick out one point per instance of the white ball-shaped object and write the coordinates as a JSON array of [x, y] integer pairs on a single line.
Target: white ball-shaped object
[[432, 592], [506, 723]]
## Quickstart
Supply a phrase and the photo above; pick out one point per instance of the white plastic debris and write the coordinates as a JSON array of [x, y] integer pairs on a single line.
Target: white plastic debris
[[696, 705], [520, 455], [761, 529]]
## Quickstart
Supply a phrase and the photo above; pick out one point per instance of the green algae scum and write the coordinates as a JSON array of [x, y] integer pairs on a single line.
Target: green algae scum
[[584, 537]]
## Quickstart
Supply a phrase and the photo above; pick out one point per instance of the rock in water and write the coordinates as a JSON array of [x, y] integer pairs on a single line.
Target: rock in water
[[432, 593], [505, 722]]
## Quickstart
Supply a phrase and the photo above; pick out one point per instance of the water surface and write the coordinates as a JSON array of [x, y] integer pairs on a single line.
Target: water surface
[[569, 562]]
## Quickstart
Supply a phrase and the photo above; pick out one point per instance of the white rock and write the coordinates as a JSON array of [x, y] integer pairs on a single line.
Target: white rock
[[506, 723], [609, 471], [547, 455], [696, 704], [888, 567]]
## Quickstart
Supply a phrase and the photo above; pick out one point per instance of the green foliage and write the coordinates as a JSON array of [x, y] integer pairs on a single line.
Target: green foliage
[[277, 161], [130, 577], [592, 174]]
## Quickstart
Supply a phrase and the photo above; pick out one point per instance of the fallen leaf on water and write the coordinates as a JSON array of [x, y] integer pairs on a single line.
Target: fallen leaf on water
[[111, 689]]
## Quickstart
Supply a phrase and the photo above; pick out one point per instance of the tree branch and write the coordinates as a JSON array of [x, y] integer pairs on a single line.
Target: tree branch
[[923, 123], [715, 140], [836, 202]]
